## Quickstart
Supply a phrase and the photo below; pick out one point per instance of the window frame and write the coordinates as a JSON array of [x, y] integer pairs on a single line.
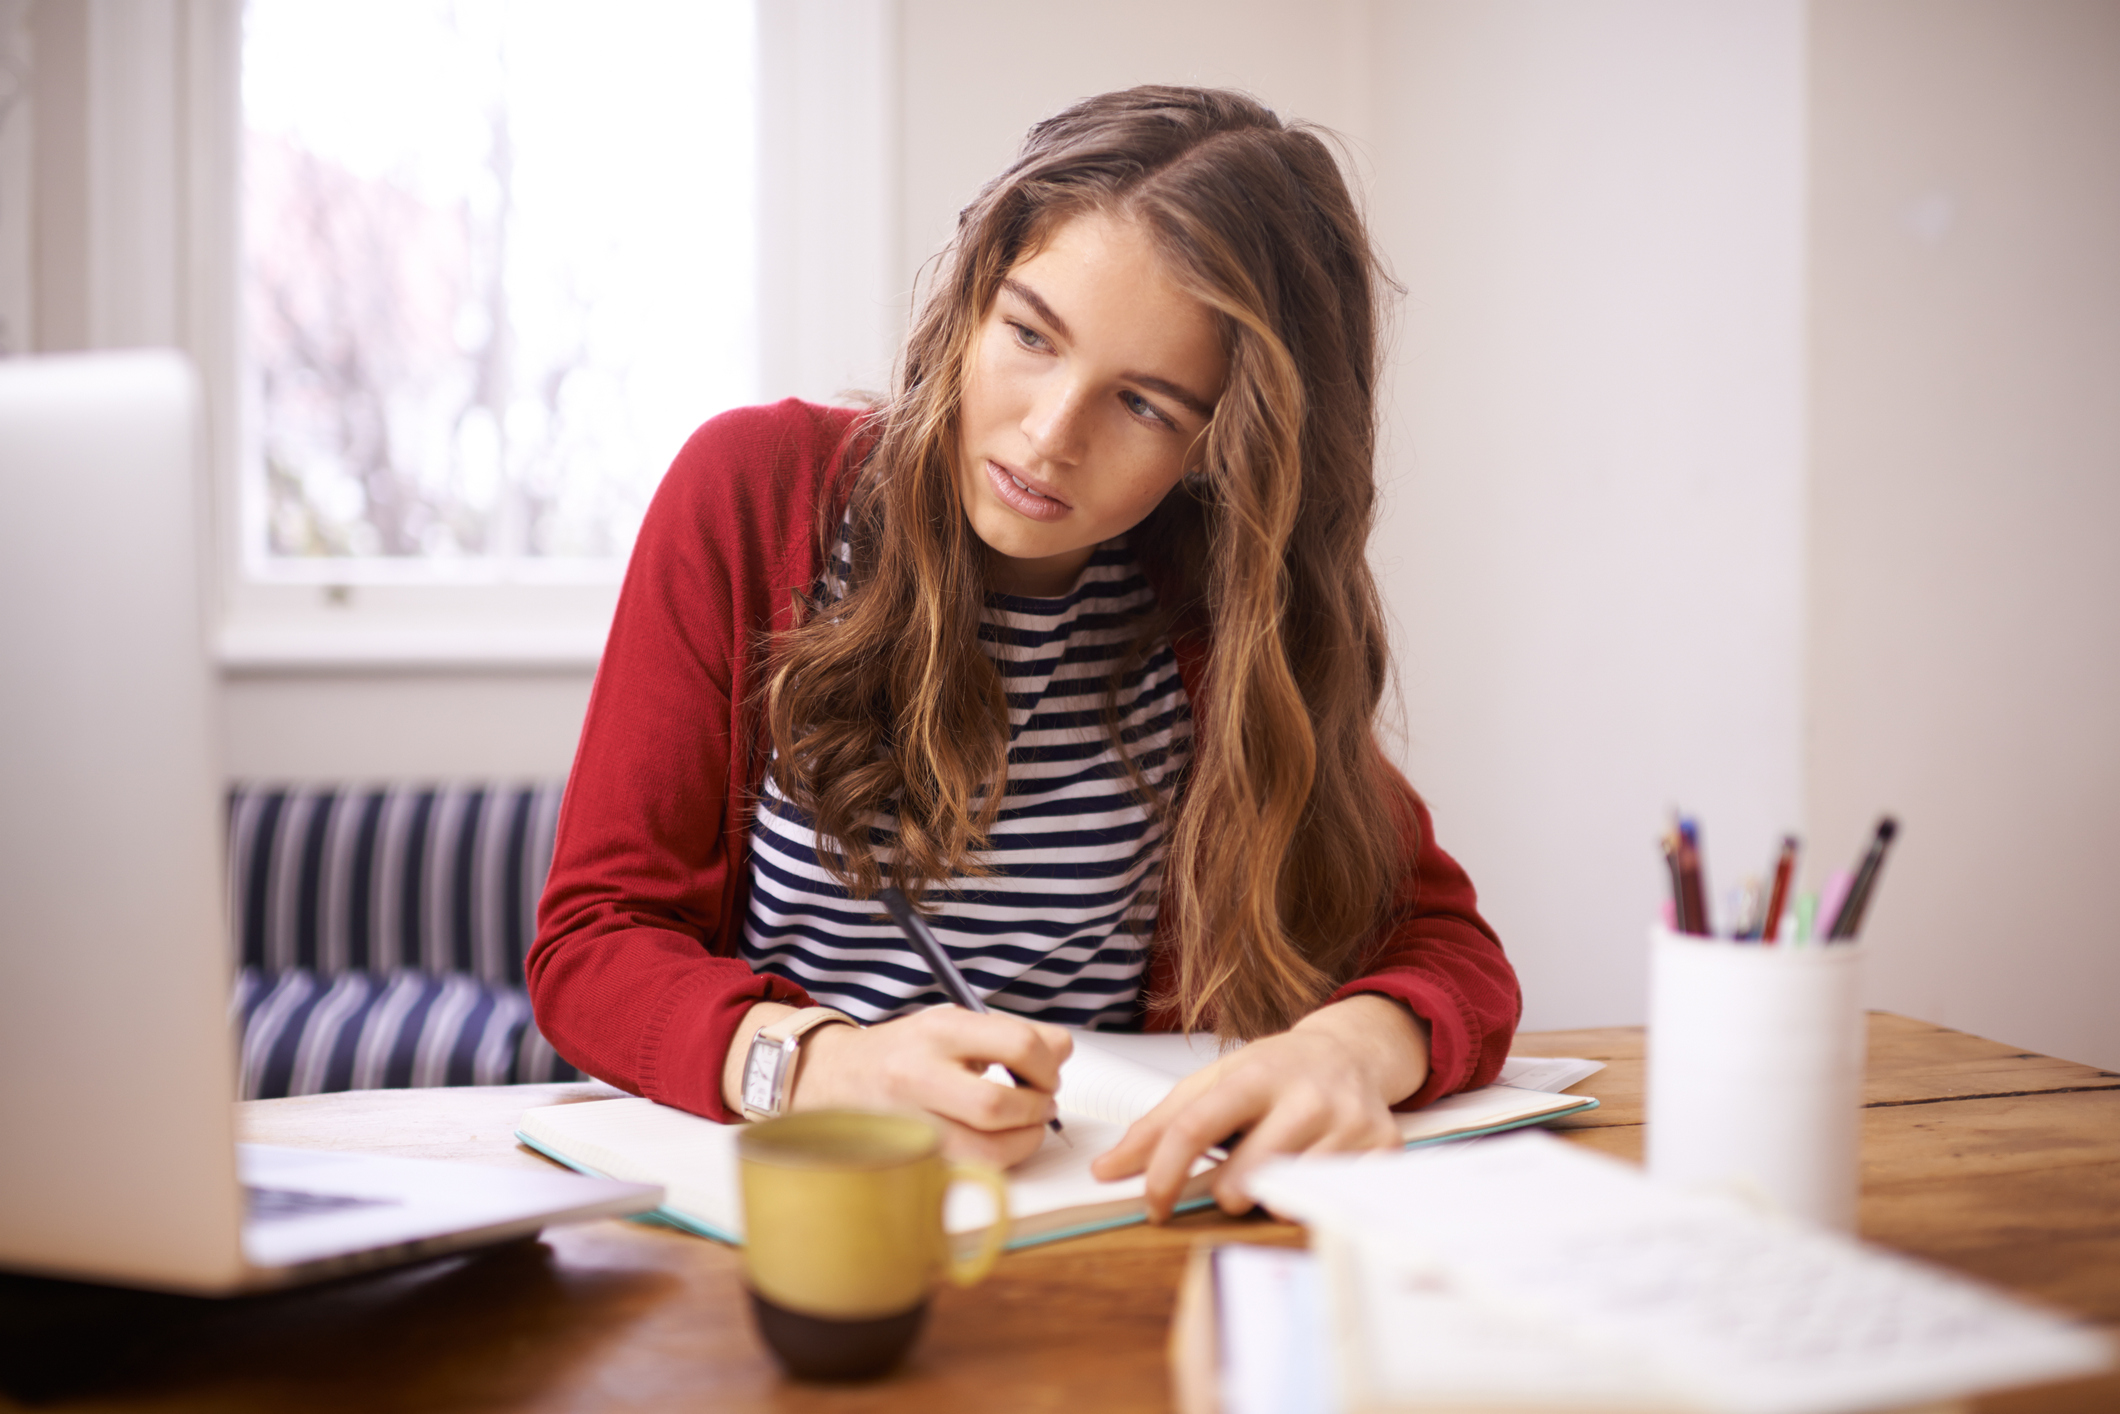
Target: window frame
[[830, 313]]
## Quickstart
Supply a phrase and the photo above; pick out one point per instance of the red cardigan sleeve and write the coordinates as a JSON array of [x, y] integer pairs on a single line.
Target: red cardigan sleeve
[[633, 975]]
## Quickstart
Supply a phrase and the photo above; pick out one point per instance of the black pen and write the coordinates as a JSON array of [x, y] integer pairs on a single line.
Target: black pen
[[929, 946], [1849, 919]]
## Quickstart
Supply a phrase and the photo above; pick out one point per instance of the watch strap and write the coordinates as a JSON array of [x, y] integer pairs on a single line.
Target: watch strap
[[799, 1023]]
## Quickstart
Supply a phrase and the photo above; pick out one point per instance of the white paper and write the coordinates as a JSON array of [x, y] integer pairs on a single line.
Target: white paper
[[1179, 1054], [1690, 1297], [1176, 1054], [1056, 1180], [1104, 1087], [1551, 1074], [1095, 1081]]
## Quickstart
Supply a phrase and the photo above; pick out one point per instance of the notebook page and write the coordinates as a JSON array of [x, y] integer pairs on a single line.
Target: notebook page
[[695, 1161], [642, 1142], [1052, 1190], [1549, 1073], [1176, 1054], [1100, 1085], [1475, 1111]]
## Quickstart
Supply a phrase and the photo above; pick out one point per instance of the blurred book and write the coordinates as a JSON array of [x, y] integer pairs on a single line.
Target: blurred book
[[1524, 1273]]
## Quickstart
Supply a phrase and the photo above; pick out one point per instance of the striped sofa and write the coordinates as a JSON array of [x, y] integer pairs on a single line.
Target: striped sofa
[[381, 930]]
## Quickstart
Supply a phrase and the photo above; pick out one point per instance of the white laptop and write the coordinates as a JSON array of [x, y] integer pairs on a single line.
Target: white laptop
[[118, 1157]]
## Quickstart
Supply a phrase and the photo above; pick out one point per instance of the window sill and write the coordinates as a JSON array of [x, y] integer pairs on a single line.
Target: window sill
[[249, 649]]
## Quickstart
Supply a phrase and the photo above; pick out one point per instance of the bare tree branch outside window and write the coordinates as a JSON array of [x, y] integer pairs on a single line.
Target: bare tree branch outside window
[[499, 263]]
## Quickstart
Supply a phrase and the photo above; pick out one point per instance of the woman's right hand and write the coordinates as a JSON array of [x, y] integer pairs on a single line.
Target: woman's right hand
[[935, 1061]]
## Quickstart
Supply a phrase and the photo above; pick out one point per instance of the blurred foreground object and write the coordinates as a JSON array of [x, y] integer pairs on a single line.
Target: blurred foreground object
[[1755, 1071], [119, 1160], [1523, 1272]]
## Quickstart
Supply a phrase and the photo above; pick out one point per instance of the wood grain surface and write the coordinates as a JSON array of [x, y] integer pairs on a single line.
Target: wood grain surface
[[1998, 1163]]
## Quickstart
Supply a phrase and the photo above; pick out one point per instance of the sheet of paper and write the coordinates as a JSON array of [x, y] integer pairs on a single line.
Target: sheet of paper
[[695, 1161], [1053, 1190], [1733, 1310], [1097, 1082], [1418, 1333], [1103, 1089], [643, 1142], [1482, 1110], [1100, 1083], [1551, 1074], [1176, 1054]]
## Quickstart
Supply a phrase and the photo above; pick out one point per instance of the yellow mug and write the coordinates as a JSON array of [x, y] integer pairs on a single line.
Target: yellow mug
[[843, 1235]]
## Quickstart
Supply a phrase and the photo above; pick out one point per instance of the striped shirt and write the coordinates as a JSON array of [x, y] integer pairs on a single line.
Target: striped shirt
[[1058, 928]]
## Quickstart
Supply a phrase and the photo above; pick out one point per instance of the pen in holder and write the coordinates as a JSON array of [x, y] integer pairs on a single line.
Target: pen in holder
[[1755, 1071]]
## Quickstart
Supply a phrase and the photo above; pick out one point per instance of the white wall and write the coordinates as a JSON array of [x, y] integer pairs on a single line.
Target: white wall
[[1594, 539], [1594, 474], [976, 76], [1965, 633], [831, 282], [375, 725]]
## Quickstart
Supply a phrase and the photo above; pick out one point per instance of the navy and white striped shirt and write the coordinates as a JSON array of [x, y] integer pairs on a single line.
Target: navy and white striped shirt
[[1058, 930]]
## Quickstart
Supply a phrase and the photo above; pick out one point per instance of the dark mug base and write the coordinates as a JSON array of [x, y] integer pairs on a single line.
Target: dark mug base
[[820, 1348]]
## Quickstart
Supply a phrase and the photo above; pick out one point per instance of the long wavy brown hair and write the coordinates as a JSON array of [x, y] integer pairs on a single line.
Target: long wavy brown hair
[[1285, 836]]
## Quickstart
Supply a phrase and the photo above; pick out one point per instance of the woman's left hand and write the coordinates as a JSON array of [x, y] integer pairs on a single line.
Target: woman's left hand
[[1324, 1086]]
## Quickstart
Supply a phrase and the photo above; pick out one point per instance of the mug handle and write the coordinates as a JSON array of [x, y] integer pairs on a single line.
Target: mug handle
[[970, 1271]]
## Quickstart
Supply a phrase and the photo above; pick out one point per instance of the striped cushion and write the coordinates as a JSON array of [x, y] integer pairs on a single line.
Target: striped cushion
[[304, 1033], [378, 878], [381, 932]]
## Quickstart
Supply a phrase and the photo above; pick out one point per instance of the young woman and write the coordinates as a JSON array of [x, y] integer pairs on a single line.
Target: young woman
[[1076, 643]]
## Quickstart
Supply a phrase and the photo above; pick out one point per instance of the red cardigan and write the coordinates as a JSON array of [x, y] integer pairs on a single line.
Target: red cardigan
[[633, 974]]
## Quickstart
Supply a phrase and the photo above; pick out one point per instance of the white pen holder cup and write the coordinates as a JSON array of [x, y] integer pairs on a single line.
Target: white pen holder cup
[[1755, 1071]]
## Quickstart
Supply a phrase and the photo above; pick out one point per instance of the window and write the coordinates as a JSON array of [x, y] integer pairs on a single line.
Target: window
[[499, 261], [410, 515]]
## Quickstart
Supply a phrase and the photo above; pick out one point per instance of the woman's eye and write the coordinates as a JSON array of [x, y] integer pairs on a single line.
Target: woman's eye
[[1028, 337], [1142, 407]]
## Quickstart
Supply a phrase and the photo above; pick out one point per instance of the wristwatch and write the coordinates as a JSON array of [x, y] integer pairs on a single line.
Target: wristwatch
[[769, 1066]]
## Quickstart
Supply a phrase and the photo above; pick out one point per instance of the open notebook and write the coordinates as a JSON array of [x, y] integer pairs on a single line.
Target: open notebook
[[1109, 1082]]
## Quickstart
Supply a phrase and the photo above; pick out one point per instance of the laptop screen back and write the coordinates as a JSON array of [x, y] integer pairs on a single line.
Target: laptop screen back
[[116, 1059]]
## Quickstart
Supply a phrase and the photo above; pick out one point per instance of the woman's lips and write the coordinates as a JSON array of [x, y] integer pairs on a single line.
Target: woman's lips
[[1021, 498]]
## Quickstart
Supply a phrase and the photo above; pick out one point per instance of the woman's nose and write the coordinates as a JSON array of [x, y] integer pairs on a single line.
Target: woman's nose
[[1054, 422]]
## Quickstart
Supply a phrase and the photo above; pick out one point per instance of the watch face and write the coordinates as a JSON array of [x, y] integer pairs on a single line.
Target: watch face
[[761, 1076]]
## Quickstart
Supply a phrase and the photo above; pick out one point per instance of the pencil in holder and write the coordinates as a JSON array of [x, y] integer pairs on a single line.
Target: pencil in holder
[[1755, 1071]]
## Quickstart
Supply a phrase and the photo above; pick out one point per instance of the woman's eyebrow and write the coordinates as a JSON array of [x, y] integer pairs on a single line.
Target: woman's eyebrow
[[1037, 303], [1164, 386]]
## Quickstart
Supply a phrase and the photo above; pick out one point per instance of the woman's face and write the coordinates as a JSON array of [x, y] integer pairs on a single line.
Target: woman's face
[[1089, 384]]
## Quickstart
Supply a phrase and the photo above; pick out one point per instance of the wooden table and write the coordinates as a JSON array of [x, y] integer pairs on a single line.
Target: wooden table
[[1997, 1162]]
